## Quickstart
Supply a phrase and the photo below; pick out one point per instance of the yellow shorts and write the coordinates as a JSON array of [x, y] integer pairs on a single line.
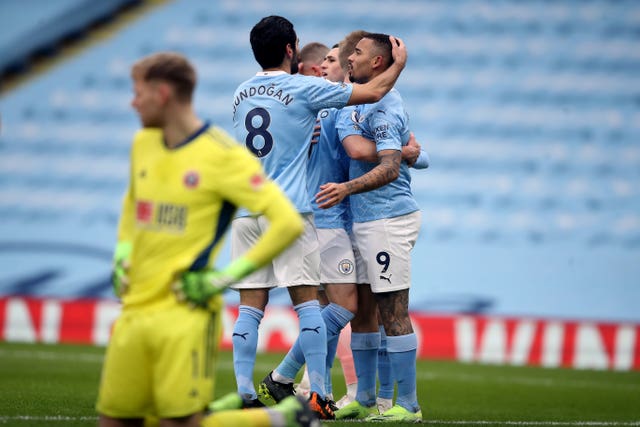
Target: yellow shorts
[[160, 363]]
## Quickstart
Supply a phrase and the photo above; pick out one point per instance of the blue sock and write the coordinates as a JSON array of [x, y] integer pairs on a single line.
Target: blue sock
[[402, 355], [384, 368], [365, 359], [336, 318], [313, 343], [245, 344]]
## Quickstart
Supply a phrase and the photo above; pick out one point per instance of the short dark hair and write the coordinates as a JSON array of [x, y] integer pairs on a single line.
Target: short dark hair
[[382, 46], [269, 39], [170, 67]]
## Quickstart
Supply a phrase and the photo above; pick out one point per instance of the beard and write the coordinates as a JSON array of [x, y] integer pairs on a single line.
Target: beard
[[359, 80]]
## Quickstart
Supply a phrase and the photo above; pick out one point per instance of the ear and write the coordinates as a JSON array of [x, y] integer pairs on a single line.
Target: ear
[[289, 51], [164, 92], [377, 62], [317, 70]]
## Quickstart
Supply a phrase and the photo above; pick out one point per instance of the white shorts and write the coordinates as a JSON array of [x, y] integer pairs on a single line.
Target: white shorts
[[362, 278], [385, 246], [337, 262], [298, 265]]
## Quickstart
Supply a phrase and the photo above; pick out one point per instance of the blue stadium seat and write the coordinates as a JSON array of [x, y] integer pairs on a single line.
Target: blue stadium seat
[[530, 111]]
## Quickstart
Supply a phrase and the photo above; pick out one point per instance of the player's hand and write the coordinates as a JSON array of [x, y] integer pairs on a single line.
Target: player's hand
[[121, 264], [398, 51], [315, 137], [198, 287], [331, 194], [411, 151]]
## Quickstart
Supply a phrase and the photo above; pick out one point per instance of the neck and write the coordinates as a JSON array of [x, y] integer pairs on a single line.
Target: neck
[[285, 66], [182, 125]]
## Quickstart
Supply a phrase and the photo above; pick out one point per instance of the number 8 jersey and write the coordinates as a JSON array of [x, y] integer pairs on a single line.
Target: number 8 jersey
[[274, 114]]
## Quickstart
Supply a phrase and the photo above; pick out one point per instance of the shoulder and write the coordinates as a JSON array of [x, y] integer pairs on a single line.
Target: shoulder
[[225, 147], [219, 137], [147, 138], [147, 134], [391, 98]]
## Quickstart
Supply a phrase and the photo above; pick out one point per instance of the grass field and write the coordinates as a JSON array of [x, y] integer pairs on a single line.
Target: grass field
[[55, 385]]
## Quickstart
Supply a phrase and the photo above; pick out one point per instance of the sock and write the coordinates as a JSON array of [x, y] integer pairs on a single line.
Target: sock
[[345, 355], [313, 343], [335, 317], [365, 358], [402, 356], [262, 417], [245, 344], [385, 378]]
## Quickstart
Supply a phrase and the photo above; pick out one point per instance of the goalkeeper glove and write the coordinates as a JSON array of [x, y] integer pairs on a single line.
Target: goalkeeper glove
[[121, 263], [198, 287]]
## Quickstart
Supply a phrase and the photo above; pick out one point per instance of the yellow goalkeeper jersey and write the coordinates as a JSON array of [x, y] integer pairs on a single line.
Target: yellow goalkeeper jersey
[[180, 203]]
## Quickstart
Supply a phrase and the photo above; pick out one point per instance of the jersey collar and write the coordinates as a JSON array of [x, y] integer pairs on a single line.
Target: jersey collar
[[270, 73], [196, 134]]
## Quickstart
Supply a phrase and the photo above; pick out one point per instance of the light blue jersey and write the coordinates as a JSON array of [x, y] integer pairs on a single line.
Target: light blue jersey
[[387, 123], [328, 162], [274, 114]]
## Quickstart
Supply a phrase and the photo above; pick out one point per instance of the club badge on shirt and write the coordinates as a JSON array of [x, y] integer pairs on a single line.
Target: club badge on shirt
[[191, 179]]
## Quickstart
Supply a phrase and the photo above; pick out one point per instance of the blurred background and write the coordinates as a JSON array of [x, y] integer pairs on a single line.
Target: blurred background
[[530, 111]]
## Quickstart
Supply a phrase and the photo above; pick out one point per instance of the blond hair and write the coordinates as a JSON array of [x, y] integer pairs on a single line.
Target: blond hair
[[348, 46], [170, 67]]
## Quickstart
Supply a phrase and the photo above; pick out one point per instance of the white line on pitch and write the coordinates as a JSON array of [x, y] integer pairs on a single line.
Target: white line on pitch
[[52, 355], [535, 423], [4, 419]]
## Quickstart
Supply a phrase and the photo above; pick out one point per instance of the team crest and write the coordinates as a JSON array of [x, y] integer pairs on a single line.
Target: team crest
[[191, 179], [356, 117], [345, 267]]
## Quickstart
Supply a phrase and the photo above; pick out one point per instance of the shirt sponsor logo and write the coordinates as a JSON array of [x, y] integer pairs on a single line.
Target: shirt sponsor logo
[[144, 211], [382, 131], [161, 216], [256, 181]]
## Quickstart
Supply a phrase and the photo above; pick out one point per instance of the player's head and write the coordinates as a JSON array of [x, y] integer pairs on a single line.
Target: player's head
[[371, 57], [159, 80], [330, 67], [347, 46], [273, 40], [310, 58]]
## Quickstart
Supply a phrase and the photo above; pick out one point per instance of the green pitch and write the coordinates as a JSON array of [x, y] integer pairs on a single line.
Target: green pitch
[[55, 385]]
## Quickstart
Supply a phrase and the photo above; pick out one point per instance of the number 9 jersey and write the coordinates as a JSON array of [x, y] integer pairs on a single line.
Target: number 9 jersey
[[273, 115]]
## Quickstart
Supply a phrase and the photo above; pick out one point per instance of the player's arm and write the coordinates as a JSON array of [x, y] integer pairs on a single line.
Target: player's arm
[[285, 224], [376, 88], [124, 245], [415, 156], [246, 186], [360, 148], [386, 171], [423, 161]]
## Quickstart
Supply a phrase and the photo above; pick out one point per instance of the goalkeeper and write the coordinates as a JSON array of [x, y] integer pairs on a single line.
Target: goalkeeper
[[186, 179]]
